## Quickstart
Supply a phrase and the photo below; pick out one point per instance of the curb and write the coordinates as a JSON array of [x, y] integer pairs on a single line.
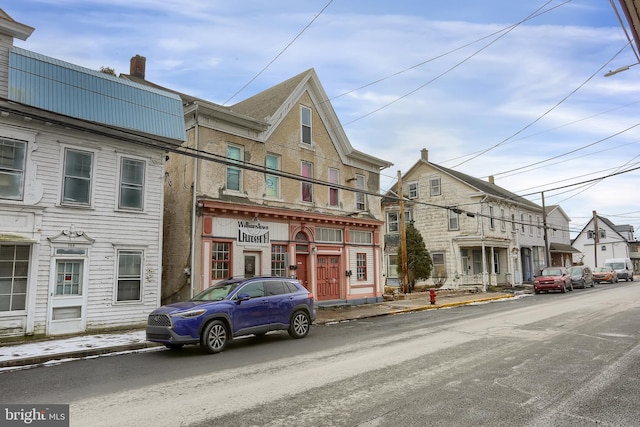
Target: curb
[[39, 360]]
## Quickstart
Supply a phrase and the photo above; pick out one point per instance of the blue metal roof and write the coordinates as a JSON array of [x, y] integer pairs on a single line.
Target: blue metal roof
[[64, 88]]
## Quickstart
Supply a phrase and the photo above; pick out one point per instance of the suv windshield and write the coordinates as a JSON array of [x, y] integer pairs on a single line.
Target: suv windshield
[[576, 271], [217, 292], [551, 272]]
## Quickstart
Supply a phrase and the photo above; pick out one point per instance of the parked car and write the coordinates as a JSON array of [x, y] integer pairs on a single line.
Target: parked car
[[605, 274], [553, 279], [581, 276], [231, 308], [622, 266]]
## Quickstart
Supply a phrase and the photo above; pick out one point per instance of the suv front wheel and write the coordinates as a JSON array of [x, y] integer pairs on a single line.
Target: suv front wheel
[[214, 337], [299, 325]]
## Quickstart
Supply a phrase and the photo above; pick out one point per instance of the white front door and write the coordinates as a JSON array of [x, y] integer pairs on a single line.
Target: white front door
[[67, 297]]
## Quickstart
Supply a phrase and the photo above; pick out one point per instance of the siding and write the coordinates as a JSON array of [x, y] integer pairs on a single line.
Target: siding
[[110, 228]]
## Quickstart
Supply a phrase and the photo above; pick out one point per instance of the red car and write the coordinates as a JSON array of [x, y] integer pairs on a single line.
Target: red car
[[553, 279]]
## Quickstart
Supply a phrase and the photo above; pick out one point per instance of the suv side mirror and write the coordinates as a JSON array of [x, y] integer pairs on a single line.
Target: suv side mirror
[[243, 297]]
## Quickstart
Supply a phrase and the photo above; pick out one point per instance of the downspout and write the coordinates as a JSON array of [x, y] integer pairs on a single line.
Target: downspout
[[194, 206]]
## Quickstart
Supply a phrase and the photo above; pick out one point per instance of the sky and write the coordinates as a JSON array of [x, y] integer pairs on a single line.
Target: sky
[[510, 89]]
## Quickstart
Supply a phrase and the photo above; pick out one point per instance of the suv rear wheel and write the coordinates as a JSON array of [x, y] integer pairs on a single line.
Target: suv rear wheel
[[299, 325], [214, 337]]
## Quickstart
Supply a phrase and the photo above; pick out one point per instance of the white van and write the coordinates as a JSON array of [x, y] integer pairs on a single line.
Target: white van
[[622, 266]]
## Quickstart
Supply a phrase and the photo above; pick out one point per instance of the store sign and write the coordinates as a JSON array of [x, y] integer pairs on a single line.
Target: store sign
[[253, 233]]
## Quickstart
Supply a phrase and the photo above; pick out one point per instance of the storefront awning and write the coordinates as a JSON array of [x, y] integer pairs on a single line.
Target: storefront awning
[[561, 247]]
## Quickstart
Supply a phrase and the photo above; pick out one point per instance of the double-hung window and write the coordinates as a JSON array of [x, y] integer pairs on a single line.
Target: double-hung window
[[454, 219], [435, 186], [234, 173], [279, 260], [14, 270], [220, 260], [306, 170], [272, 182], [129, 275], [12, 165], [305, 121], [361, 266], [334, 178], [131, 184], [361, 201], [78, 171], [413, 190]]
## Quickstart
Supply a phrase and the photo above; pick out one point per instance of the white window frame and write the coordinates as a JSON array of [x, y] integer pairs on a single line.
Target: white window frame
[[119, 276], [94, 160], [234, 168], [273, 181], [413, 190], [435, 186], [453, 220], [393, 224], [435, 255], [503, 224], [304, 125], [142, 187], [14, 171], [12, 260]]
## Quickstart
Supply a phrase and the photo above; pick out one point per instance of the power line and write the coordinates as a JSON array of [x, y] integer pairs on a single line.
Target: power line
[[545, 113], [280, 53]]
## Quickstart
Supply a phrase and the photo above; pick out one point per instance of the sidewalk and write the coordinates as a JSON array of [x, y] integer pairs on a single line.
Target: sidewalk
[[56, 350]]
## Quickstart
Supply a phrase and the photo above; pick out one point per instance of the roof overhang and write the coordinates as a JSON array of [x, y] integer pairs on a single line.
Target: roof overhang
[[631, 10], [562, 247]]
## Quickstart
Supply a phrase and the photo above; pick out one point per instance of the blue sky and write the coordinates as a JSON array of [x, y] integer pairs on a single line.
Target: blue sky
[[513, 89]]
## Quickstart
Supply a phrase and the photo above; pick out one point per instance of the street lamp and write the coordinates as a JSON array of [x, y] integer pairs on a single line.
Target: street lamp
[[619, 70]]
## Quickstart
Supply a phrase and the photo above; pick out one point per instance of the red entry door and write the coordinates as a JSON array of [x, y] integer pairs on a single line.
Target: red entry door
[[301, 270], [328, 274]]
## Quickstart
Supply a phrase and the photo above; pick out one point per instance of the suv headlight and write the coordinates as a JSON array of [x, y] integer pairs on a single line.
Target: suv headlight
[[189, 314]]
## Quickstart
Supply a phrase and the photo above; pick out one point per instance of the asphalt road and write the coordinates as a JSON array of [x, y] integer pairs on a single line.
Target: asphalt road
[[545, 360]]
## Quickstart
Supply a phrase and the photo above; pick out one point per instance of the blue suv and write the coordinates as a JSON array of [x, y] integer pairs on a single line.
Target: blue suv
[[232, 308]]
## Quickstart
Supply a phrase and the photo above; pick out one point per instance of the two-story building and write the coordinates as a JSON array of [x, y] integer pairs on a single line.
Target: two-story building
[[557, 225], [82, 157], [601, 239], [478, 234], [272, 186]]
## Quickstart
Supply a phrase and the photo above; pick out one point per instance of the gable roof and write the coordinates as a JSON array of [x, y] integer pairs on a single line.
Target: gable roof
[[477, 184], [268, 108], [604, 221], [273, 105], [552, 208], [265, 104], [15, 29]]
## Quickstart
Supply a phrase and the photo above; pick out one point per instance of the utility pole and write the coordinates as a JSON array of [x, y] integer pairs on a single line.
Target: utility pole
[[547, 255], [596, 239], [403, 237]]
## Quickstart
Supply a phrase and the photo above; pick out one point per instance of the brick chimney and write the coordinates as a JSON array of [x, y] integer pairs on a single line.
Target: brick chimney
[[424, 155], [491, 180], [137, 66]]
